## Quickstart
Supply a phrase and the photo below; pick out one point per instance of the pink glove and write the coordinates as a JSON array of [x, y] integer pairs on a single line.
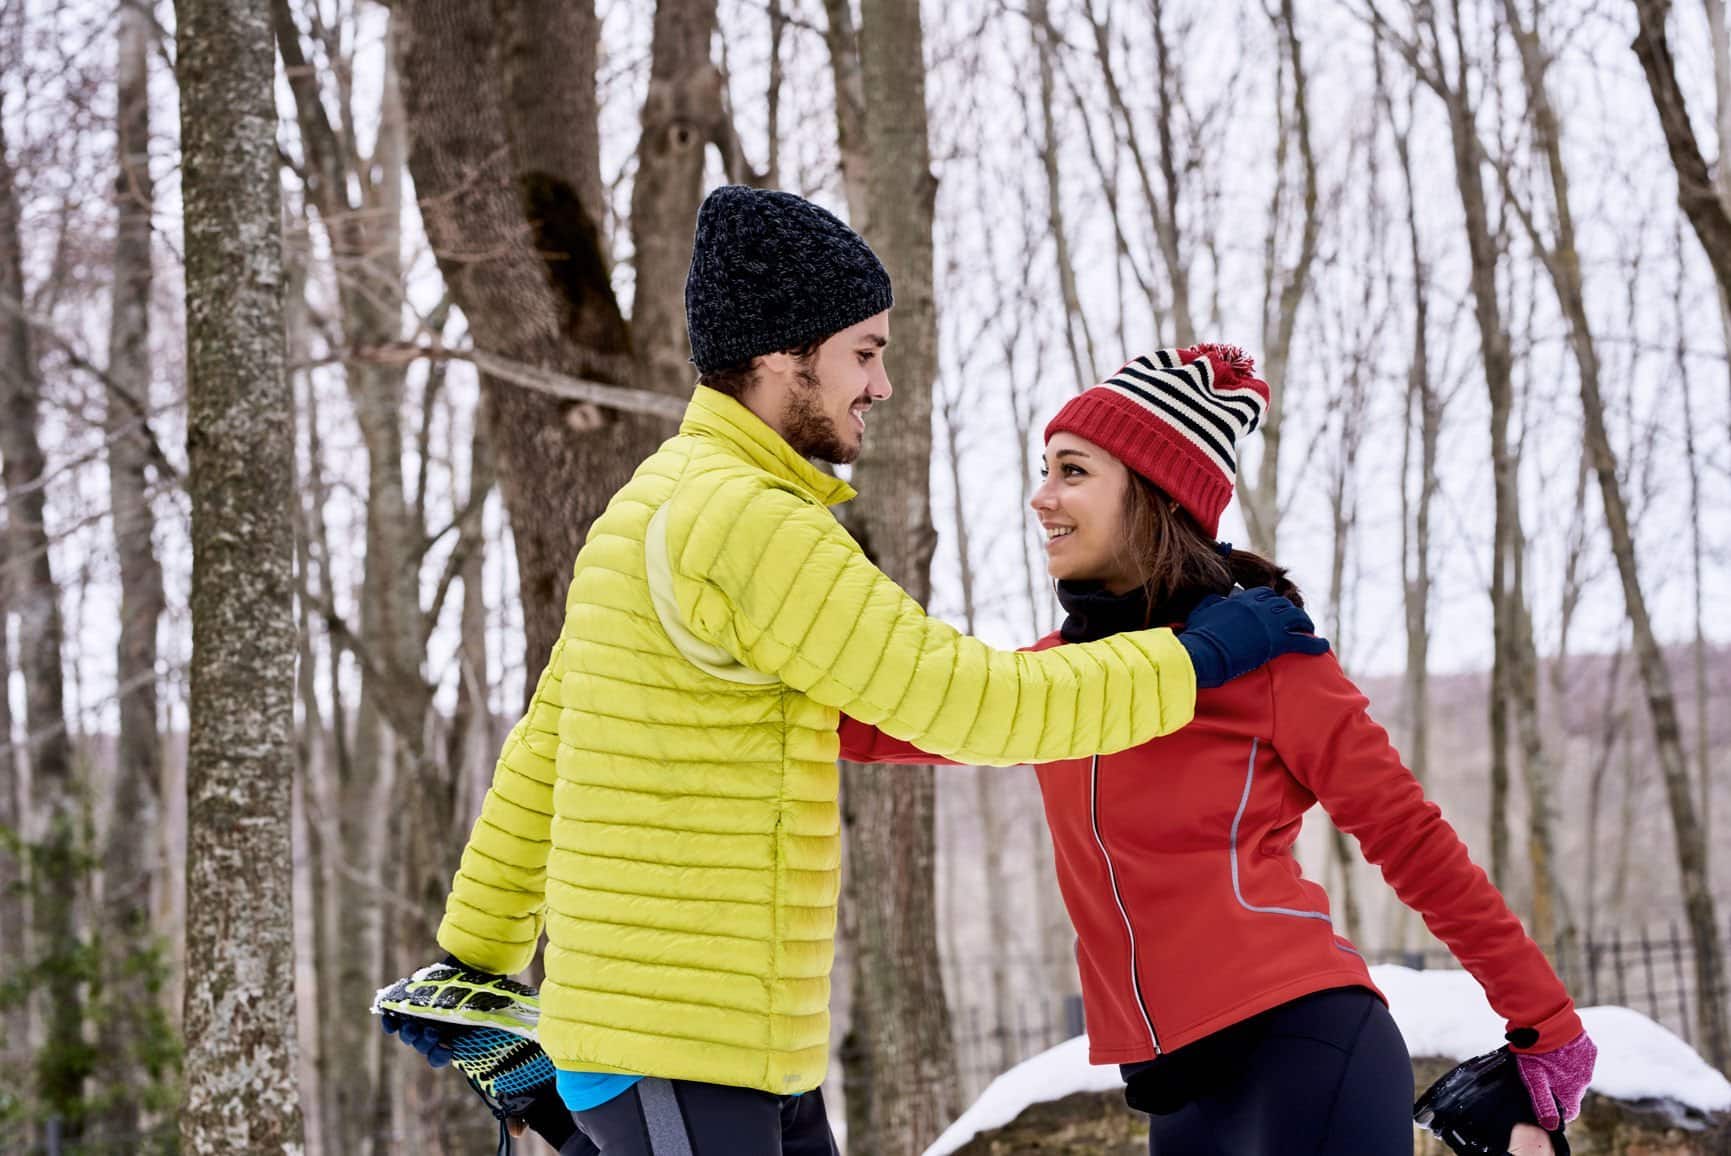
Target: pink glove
[[1558, 1079]]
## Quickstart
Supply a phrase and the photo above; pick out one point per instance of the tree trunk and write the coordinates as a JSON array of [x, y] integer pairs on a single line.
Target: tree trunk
[[682, 112], [240, 1093], [850, 109], [901, 1081], [1350, 407], [358, 201], [1285, 287], [130, 865], [503, 149], [1720, 37], [1425, 407], [15, 915], [1162, 213], [1706, 206], [1083, 361], [64, 1060], [1562, 261], [988, 785], [1495, 355]]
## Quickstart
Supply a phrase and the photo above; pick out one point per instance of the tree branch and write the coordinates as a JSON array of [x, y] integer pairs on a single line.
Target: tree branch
[[1700, 201]]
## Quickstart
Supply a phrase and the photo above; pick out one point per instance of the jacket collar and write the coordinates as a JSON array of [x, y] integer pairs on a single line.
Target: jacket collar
[[1092, 612], [714, 414]]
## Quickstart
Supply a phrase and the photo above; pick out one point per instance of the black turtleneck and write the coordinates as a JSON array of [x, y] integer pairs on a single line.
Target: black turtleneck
[[1093, 612]]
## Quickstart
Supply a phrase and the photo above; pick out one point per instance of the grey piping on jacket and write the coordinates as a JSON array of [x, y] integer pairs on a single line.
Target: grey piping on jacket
[[1237, 889], [1118, 898]]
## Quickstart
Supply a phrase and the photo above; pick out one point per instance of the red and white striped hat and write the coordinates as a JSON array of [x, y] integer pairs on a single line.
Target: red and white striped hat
[[1176, 417]]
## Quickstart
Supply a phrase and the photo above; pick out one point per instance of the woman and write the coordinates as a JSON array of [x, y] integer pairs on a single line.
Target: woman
[[1211, 970]]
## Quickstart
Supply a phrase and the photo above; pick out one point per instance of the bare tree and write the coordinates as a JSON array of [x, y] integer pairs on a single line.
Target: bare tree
[[1561, 259], [901, 1079], [987, 790], [504, 150], [358, 199], [15, 915], [240, 1093], [1083, 360], [850, 114], [1423, 408], [1707, 207], [1285, 286], [63, 1060], [1451, 85], [1162, 202], [131, 863], [1697, 583]]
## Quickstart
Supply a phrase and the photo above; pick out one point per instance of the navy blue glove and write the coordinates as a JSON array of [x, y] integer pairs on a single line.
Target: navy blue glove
[[1227, 637], [426, 1037]]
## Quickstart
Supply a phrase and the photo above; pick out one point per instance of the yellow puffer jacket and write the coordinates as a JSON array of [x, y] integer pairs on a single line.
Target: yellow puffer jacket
[[669, 800]]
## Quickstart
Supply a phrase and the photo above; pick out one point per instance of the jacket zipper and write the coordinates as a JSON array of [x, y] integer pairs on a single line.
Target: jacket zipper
[[1118, 897]]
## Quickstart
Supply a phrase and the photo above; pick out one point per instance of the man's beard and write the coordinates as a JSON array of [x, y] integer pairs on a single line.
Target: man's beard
[[809, 430]]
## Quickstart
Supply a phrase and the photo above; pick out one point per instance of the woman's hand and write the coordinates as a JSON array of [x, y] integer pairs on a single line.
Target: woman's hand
[[1527, 1140], [1557, 1080]]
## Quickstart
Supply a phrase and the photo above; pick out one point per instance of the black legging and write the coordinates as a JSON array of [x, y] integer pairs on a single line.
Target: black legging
[[681, 1118], [1325, 1075]]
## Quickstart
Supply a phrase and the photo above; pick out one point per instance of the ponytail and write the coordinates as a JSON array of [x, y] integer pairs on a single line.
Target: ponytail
[[1250, 570], [1177, 557]]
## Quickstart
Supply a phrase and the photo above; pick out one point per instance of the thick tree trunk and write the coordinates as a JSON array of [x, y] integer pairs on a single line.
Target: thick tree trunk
[[503, 149], [1562, 261], [63, 1061], [683, 112], [850, 109], [901, 1080], [241, 1058], [130, 865]]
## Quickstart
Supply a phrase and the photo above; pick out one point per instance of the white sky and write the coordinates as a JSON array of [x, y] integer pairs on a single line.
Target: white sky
[[981, 88]]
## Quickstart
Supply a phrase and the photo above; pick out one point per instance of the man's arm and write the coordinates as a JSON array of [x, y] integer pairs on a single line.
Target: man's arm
[[493, 913], [778, 584]]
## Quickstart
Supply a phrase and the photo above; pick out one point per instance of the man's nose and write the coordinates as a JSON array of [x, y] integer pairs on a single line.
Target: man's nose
[[880, 387]]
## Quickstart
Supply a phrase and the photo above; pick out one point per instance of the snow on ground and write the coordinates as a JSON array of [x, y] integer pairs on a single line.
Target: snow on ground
[[1441, 1013]]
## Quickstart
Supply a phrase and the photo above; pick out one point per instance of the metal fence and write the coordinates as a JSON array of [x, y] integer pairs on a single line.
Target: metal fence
[[1651, 970]]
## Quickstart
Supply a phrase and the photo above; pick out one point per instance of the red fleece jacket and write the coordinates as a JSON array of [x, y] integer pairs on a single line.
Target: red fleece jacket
[[1176, 864]]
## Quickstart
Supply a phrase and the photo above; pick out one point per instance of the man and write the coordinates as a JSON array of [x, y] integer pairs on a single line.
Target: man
[[669, 801]]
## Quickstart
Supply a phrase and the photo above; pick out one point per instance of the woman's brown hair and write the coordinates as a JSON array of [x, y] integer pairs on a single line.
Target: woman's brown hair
[[1179, 558]]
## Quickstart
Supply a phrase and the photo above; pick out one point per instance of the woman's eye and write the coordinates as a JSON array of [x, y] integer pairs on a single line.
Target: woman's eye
[[1075, 472]]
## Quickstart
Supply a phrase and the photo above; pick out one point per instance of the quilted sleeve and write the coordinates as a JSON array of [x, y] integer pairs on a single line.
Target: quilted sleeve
[[493, 912], [778, 583]]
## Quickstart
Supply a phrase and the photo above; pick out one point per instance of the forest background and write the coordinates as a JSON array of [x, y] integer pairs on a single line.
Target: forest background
[[1480, 248]]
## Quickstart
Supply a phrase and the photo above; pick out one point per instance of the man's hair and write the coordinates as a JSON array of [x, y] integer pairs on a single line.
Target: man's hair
[[734, 380]]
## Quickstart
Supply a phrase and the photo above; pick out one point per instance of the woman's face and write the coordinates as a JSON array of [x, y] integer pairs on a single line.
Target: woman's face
[[1080, 504]]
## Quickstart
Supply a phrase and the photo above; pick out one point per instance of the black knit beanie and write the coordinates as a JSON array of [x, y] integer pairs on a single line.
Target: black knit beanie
[[772, 271]]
